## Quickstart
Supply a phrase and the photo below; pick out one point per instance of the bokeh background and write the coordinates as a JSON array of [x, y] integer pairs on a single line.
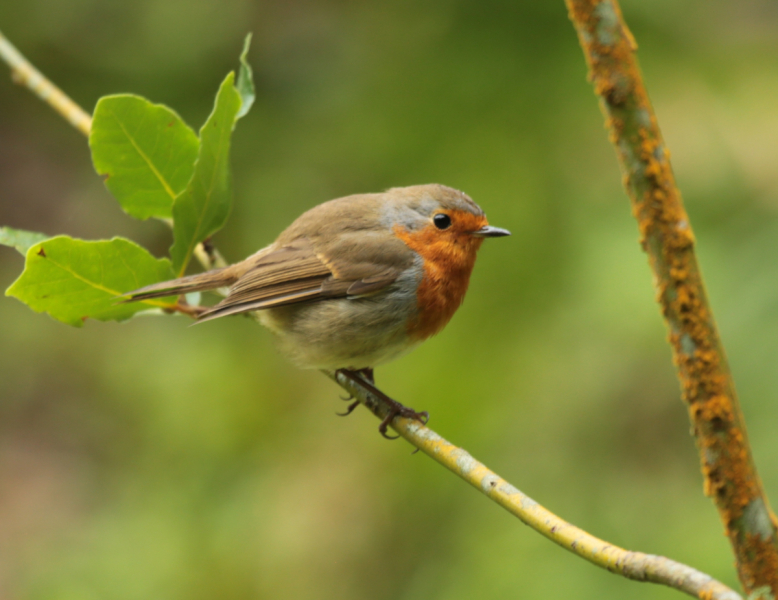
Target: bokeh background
[[153, 460]]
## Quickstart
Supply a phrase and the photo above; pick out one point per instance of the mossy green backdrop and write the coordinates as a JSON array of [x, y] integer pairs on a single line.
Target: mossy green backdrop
[[154, 460]]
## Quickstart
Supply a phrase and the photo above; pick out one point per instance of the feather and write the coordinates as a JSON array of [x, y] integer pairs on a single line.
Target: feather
[[322, 255], [194, 283]]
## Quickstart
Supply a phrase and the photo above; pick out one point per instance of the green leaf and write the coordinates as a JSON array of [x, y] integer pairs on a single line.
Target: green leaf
[[245, 83], [202, 209], [146, 152], [20, 239], [73, 280]]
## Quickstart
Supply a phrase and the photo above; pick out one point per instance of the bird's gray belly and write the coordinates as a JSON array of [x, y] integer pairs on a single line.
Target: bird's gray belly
[[353, 333]]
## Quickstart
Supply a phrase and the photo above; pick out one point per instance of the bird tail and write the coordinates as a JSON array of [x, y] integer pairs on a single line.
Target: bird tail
[[183, 285]]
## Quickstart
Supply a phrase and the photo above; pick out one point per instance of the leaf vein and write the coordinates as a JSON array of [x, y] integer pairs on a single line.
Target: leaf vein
[[146, 159]]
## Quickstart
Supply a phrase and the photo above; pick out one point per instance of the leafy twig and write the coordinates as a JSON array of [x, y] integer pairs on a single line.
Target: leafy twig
[[666, 235], [633, 565], [26, 74]]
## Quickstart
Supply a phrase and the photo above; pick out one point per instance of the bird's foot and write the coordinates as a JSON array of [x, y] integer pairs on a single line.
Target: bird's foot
[[350, 408], [367, 374], [398, 410], [364, 378]]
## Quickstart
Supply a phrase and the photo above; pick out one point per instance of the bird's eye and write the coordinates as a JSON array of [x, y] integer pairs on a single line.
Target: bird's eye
[[442, 221]]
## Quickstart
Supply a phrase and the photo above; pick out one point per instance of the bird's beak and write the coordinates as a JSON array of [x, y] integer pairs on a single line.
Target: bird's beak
[[489, 231]]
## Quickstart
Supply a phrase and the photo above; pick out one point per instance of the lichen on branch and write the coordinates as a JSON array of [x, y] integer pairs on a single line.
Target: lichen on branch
[[666, 235]]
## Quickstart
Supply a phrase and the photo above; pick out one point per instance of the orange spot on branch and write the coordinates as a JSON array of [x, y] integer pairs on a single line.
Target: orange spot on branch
[[666, 235]]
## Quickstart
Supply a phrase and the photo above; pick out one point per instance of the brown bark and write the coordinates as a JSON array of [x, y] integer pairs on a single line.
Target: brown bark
[[666, 235]]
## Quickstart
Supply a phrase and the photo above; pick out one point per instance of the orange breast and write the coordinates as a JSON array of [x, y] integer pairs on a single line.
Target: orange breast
[[449, 256]]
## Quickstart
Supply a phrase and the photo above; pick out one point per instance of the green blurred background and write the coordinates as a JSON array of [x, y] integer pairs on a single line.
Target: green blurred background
[[153, 460]]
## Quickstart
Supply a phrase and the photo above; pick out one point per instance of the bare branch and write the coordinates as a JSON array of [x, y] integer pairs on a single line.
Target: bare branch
[[25, 74], [633, 565], [666, 235]]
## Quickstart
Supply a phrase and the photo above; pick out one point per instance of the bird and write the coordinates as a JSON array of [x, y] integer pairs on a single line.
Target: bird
[[354, 282]]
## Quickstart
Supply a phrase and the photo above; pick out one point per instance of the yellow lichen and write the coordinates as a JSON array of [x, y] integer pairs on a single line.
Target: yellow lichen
[[665, 234]]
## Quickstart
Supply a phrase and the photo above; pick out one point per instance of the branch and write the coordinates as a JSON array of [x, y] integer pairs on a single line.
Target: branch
[[25, 74], [666, 235], [633, 565]]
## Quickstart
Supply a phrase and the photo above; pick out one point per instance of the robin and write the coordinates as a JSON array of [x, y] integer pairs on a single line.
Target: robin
[[355, 282]]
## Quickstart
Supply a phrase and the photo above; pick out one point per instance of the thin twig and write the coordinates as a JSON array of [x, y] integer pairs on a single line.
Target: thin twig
[[25, 74], [729, 470], [209, 256], [633, 565]]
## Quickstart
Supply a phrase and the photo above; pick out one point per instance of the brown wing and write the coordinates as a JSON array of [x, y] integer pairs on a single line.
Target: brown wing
[[292, 274]]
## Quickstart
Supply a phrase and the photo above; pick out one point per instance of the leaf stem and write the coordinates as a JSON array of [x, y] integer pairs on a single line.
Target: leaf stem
[[633, 565]]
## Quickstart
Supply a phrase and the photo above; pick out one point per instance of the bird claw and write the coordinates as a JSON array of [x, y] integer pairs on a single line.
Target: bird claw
[[395, 408], [423, 417], [402, 411], [350, 408], [384, 424]]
